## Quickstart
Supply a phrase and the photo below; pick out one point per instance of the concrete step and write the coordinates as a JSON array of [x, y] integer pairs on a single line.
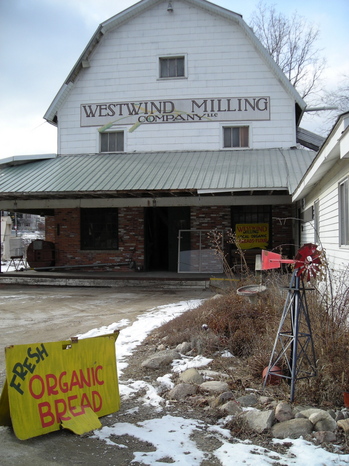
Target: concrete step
[[109, 280]]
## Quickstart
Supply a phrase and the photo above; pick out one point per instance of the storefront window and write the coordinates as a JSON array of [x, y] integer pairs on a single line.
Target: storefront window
[[99, 229]]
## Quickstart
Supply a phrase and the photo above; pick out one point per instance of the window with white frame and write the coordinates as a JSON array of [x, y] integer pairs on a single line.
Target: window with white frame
[[344, 213], [235, 136], [112, 141], [172, 67]]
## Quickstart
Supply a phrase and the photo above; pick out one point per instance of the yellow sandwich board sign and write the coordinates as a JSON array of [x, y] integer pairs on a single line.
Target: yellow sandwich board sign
[[67, 383]]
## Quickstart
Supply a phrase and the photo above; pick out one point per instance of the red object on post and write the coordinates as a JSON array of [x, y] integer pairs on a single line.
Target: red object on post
[[272, 379], [346, 399], [272, 260]]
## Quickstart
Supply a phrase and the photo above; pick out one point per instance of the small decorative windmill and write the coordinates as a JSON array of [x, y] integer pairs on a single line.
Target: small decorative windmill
[[294, 345]]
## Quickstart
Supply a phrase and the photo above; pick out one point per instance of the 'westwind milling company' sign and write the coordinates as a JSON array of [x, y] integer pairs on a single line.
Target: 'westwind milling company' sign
[[175, 111]]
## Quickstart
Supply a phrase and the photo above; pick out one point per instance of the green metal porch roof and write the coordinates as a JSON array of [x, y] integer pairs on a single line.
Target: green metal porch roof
[[198, 172]]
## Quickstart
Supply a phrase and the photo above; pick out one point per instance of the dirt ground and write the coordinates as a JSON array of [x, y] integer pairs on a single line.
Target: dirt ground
[[42, 314]]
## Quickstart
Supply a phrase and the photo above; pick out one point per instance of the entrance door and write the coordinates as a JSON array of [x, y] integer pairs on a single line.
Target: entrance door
[[161, 236]]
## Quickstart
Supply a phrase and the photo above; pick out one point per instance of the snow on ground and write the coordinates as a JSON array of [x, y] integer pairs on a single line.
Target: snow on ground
[[171, 435]]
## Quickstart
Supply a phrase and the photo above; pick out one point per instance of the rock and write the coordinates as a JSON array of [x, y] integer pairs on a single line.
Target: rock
[[339, 416], [309, 411], [213, 374], [283, 412], [324, 437], [231, 407], [344, 424], [184, 347], [264, 400], [214, 386], [161, 358], [294, 428], [323, 420], [191, 376], [221, 399], [182, 390], [300, 408], [248, 400], [259, 421]]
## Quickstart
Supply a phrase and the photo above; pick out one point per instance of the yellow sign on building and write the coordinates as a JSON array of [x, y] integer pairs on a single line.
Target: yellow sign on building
[[252, 235], [66, 383]]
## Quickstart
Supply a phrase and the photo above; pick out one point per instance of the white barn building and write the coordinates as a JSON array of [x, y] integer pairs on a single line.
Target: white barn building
[[174, 121]]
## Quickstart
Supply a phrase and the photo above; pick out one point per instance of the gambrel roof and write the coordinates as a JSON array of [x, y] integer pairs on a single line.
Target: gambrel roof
[[138, 9]]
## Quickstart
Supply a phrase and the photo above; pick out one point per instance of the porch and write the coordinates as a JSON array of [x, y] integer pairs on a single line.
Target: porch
[[155, 280]]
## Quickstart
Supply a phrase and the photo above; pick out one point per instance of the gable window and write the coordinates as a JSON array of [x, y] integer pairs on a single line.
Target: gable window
[[344, 213], [99, 229], [112, 141], [172, 67], [235, 136]]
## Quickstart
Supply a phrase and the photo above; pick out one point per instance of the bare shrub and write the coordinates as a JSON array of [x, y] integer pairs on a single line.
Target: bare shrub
[[329, 313], [231, 322]]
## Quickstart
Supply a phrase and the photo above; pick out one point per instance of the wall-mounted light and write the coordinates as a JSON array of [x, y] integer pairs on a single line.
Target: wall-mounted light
[[169, 7]]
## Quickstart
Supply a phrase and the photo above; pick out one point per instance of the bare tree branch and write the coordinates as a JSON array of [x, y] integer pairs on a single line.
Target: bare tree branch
[[292, 44], [338, 98]]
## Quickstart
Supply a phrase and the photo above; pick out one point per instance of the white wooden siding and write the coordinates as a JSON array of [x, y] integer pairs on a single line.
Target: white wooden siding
[[327, 193], [221, 62]]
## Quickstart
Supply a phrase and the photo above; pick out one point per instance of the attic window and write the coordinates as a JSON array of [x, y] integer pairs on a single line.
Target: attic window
[[112, 141], [172, 67], [235, 136]]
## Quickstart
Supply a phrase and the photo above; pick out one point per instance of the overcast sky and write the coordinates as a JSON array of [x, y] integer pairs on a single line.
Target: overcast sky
[[41, 40]]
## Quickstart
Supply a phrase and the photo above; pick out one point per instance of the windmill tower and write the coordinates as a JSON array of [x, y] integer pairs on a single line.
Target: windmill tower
[[293, 347]]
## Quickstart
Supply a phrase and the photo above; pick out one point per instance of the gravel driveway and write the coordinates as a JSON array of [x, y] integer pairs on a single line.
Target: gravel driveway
[[40, 314]]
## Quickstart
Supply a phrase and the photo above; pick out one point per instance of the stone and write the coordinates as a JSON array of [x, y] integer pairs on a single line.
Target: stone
[[309, 411], [344, 424], [300, 416], [214, 386], [182, 390], [191, 376], [207, 374], [221, 399], [259, 421], [231, 407], [283, 412], [264, 400], [248, 400], [323, 420], [161, 358], [294, 428], [184, 347], [324, 437], [339, 416]]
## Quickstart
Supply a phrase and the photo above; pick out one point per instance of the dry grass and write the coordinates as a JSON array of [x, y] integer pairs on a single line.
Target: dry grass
[[248, 331]]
